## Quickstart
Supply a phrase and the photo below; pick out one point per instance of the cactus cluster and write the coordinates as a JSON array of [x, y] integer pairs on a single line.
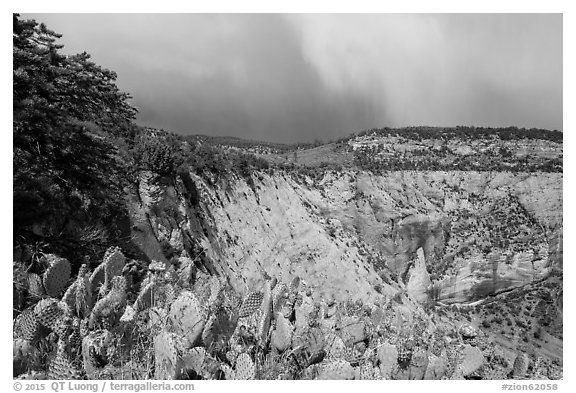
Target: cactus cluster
[[88, 302], [167, 328], [50, 280]]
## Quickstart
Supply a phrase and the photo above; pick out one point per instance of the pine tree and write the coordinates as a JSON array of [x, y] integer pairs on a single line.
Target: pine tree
[[67, 112]]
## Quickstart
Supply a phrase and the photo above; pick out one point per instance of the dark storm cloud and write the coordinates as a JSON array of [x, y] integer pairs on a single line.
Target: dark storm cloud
[[491, 69], [301, 77]]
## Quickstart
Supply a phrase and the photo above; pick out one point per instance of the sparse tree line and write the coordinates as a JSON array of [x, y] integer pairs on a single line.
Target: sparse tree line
[[462, 132], [374, 158]]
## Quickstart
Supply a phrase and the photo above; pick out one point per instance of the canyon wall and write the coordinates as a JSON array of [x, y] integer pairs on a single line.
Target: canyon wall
[[357, 235]]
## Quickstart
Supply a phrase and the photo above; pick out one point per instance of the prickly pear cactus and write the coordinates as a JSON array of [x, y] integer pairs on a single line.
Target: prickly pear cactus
[[254, 324], [97, 279], [94, 349], [188, 317], [279, 298], [83, 293], [198, 361], [165, 356], [63, 327], [294, 284], [69, 296], [169, 294], [194, 358], [216, 298], [35, 286], [335, 348], [304, 315], [369, 372], [108, 310], [282, 333], [245, 368], [229, 373], [63, 366], [336, 369], [75, 338], [25, 356], [113, 262], [312, 343], [27, 325], [388, 357], [266, 313], [145, 298], [405, 348], [49, 312], [250, 304], [55, 278], [208, 331]]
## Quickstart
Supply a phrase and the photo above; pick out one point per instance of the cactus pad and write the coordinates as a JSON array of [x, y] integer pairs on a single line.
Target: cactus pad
[[369, 372], [188, 316], [83, 293], [229, 373], [165, 356], [35, 285], [279, 297], [48, 312], [113, 262], [108, 310], [25, 356], [94, 347], [294, 284], [215, 299], [62, 367], [27, 326], [335, 347], [56, 277], [69, 296], [405, 351], [145, 298], [250, 304], [200, 362], [245, 368], [282, 334], [97, 278], [336, 369]]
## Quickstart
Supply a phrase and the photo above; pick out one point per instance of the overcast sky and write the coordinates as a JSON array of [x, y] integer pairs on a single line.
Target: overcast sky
[[292, 78]]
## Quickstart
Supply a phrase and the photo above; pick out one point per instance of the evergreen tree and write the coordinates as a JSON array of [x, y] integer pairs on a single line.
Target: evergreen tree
[[67, 177]]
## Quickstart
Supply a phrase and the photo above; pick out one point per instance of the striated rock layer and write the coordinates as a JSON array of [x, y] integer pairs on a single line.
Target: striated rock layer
[[357, 235]]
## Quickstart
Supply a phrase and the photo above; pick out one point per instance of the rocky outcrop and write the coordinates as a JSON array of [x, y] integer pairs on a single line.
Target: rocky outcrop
[[419, 282], [353, 235]]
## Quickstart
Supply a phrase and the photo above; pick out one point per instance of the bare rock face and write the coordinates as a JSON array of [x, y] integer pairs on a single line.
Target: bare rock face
[[454, 237], [419, 281], [472, 360]]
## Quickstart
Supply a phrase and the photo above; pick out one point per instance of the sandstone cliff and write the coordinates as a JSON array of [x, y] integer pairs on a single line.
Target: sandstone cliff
[[354, 234]]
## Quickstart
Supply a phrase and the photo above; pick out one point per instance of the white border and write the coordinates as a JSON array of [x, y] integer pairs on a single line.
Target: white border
[[549, 6]]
